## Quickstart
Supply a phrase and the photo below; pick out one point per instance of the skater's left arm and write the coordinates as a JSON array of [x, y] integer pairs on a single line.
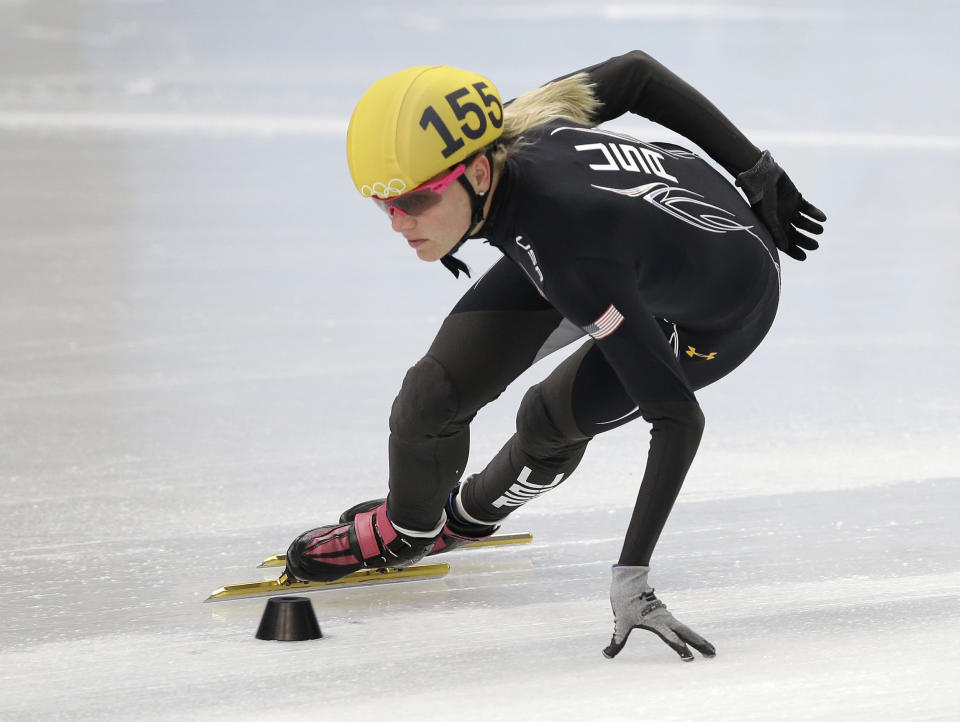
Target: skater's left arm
[[602, 297]]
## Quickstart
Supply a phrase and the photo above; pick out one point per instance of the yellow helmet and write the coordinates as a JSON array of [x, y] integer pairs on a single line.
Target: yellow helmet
[[411, 125]]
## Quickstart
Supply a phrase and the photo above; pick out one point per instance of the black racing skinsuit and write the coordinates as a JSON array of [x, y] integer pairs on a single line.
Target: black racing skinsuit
[[642, 246]]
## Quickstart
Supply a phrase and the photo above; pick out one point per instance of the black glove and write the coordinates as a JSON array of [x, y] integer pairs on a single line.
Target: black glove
[[778, 203], [636, 607]]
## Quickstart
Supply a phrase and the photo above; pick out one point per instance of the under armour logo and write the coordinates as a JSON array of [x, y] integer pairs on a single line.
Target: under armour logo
[[691, 352]]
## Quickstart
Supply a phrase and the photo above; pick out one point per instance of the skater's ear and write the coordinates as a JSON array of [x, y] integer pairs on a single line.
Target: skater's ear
[[480, 173]]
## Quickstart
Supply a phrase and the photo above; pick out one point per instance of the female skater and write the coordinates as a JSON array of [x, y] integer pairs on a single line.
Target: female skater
[[642, 248]]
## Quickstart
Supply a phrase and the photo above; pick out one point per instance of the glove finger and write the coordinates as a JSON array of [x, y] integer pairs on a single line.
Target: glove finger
[[672, 640], [803, 241], [695, 640], [805, 224], [780, 238], [794, 252], [807, 208], [613, 649]]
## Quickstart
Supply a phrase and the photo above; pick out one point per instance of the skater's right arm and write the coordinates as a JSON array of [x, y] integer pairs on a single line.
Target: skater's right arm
[[636, 83]]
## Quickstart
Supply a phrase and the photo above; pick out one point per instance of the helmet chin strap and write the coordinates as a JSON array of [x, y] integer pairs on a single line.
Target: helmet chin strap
[[451, 262]]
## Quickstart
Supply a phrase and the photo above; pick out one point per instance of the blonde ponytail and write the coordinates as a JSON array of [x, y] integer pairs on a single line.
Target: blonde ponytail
[[570, 98]]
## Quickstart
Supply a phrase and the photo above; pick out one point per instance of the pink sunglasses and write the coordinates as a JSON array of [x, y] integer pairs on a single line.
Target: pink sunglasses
[[421, 198]]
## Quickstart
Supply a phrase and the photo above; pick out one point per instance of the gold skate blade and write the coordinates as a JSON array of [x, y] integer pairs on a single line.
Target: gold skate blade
[[360, 578], [279, 560]]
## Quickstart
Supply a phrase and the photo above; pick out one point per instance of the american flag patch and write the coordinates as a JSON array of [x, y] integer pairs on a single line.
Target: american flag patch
[[607, 323]]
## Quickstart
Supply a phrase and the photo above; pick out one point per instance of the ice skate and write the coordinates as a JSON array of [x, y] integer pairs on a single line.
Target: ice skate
[[456, 532], [365, 540], [459, 530]]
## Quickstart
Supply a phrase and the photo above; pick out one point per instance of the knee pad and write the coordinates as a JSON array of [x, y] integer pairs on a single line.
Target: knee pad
[[543, 428], [427, 403]]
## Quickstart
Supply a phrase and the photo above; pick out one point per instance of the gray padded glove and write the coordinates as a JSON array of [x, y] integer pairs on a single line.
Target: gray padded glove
[[636, 607]]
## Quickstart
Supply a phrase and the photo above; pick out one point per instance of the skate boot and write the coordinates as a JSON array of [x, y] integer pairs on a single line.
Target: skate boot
[[367, 540], [456, 532], [460, 528]]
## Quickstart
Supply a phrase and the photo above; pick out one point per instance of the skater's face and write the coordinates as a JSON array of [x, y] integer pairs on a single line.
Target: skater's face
[[434, 231]]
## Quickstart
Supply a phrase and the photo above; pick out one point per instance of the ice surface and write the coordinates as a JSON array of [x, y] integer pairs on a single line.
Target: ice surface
[[202, 329]]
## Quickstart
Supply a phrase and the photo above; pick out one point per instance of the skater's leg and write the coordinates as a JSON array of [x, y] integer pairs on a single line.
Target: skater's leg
[[546, 448], [582, 398], [496, 331]]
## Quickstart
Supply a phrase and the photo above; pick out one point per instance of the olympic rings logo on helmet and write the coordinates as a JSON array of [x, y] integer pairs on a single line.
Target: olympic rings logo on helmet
[[393, 187]]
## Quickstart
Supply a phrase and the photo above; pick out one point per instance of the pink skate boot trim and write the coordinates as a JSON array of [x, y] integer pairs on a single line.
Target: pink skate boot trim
[[331, 547], [387, 533], [366, 536]]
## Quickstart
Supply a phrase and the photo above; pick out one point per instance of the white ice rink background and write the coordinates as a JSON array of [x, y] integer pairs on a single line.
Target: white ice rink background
[[202, 327]]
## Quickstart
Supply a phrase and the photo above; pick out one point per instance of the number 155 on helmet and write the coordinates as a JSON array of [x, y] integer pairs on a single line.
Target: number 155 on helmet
[[412, 125]]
